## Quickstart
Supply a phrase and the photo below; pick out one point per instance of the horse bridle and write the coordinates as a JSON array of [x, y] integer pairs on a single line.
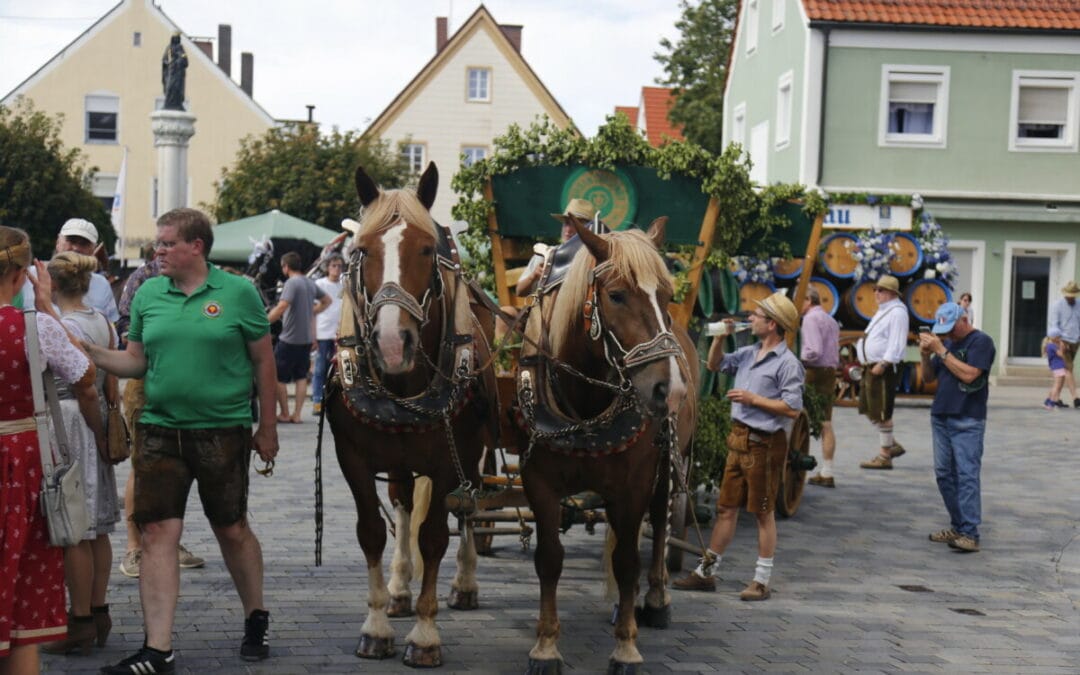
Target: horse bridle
[[390, 293]]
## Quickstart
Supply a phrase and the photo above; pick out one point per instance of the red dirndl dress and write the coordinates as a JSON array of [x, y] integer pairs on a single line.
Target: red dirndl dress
[[32, 600]]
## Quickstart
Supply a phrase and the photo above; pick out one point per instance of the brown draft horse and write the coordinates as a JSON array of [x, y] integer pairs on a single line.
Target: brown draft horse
[[407, 399], [613, 424]]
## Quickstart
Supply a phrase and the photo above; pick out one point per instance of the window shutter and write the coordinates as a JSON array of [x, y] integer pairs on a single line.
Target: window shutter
[[913, 92], [1043, 105], [104, 104]]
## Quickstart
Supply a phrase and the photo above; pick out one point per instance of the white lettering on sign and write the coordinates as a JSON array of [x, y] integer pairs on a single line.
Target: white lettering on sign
[[867, 217]]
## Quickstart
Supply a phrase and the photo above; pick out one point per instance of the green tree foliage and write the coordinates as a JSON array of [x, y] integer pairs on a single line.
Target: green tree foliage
[[695, 66], [42, 183], [306, 174]]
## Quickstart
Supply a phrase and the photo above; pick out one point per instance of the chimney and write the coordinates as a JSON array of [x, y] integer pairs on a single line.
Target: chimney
[[247, 71], [224, 48], [513, 33], [440, 33], [205, 47]]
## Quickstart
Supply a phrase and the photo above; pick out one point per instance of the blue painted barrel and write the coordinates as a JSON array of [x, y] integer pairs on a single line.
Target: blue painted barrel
[[830, 298], [752, 291], [836, 258], [924, 296], [908, 258]]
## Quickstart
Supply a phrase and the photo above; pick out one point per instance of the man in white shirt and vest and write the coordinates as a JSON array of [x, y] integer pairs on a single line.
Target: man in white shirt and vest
[[880, 351]]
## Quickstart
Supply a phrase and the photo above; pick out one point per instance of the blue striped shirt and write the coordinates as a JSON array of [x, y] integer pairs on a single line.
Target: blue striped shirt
[[778, 375]]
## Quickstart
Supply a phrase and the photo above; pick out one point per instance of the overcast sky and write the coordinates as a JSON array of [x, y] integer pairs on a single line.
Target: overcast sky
[[350, 58]]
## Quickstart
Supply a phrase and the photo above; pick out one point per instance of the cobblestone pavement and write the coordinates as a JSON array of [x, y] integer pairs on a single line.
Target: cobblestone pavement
[[857, 585]]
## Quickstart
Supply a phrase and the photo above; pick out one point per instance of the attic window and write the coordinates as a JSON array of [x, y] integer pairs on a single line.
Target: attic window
[[478, 85], [1044, 111], [136, 39]]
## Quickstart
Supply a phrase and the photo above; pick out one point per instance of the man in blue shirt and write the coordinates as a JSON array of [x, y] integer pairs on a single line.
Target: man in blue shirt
[[1065, 316], [766, 396], [961, 365]]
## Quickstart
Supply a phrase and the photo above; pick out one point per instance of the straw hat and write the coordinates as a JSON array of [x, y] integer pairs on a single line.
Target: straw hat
[[1070, 290], [889, 283], [582, 208], [781, 310]]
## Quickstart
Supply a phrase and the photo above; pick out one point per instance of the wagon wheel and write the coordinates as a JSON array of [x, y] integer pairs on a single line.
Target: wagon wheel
[[793, 478], [484, 542], [845, 390], [678, 518]]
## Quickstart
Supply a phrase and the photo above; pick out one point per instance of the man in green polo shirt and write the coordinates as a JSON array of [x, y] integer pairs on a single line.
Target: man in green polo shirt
[[198, 336]]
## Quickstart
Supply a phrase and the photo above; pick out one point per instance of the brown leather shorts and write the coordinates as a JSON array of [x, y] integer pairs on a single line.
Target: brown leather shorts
[[823, 381], [166, 462], [752, 475], [877, 393]]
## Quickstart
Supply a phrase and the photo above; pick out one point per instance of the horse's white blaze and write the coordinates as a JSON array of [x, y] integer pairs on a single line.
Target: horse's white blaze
[[401, 567], [676, 386], [424, 633], [465, 579], [626, 652], [545, 649], [377, 624], [390, 345]]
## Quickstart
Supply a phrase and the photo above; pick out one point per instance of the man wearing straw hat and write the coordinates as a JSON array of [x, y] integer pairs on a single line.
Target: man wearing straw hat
[[582, 209], [1065, 316], [881, 350], [766, 396]]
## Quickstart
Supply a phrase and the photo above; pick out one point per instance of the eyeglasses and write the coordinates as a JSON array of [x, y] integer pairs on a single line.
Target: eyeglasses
[[760, 315], [167, 245]]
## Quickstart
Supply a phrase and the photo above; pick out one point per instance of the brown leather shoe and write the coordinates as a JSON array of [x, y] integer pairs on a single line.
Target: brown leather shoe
[[80, 637], [965, 544], [878, 462], [755, 591], [822, 481], [695, 582], [944, 536], [896, 450]]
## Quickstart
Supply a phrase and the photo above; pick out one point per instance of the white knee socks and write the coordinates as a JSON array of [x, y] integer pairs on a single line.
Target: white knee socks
[[763, 571], [886, 436], [708, 563], [826, 468]]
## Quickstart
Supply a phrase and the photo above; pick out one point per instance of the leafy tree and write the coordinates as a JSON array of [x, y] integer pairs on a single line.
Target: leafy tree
[[696, 68], [42, 183], [304, 173]]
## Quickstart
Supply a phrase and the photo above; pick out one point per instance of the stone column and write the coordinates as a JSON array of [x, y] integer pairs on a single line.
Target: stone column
[[172, 131]]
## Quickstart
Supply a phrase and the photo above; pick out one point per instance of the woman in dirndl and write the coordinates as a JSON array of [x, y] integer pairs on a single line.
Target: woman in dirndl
[[88, 563], [31, 571]]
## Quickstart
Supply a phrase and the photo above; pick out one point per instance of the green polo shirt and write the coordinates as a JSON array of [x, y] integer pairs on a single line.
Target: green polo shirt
[[199, 373]]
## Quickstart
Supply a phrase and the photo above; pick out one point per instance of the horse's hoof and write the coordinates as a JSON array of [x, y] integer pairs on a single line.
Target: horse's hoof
[[422, 657], [400, 606], [545, 667], [653, 617], [464, 600], [618, 668], [371, 647]]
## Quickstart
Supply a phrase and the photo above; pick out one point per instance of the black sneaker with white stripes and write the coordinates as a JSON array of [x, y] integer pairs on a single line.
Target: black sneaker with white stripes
[[144, 662], [256, 644]]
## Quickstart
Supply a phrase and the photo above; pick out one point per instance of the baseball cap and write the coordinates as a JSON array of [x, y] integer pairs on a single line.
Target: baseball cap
[[77, 227], [946, 317]]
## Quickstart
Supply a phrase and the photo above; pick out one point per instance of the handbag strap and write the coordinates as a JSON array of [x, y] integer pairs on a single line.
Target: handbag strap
[[39, 384]]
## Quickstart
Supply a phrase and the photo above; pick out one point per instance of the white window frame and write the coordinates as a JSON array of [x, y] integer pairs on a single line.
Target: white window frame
[[784, 105], [101, 102], [778, 8], [1069, 80], [480, 96], [738, 125], [753, 25], [473, 153], [416, 163], [938, 75]]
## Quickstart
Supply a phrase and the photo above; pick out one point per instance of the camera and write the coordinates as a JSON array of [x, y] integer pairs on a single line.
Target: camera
[[924, 329]]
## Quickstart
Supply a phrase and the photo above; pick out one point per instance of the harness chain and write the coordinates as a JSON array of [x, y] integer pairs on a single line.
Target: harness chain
[[319, 489]]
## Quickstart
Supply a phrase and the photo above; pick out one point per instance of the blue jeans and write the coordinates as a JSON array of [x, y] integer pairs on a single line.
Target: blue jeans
[[323, 357], [958, 449]]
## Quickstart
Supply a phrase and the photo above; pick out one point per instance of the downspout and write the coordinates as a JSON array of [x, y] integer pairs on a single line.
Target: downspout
[[824, 94]]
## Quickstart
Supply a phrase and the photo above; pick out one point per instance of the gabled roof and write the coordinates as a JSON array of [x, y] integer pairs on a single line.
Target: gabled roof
[[630, 111], [656, 103], [1055, 15], [193, 51], [481, 19]]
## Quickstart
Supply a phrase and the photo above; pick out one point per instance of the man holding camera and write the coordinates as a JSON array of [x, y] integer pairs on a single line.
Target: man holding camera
[[881, 350], [961, 365]]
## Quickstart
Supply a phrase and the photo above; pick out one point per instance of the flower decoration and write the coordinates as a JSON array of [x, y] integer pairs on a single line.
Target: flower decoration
[[872, 252], [748, 269], [935, 245]]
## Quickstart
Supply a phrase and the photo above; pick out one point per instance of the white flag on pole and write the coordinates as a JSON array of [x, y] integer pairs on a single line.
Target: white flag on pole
[[118, 207]]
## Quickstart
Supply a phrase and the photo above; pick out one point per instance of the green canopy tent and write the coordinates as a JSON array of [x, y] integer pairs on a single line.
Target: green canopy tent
[[233, 241]]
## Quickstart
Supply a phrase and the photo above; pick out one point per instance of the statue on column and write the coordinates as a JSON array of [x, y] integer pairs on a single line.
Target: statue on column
[[173, 64]]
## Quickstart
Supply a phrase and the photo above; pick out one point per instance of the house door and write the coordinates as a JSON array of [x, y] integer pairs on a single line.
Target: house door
[[1030, 299]]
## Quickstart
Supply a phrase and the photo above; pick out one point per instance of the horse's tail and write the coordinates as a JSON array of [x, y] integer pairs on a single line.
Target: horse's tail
[[421, 504]]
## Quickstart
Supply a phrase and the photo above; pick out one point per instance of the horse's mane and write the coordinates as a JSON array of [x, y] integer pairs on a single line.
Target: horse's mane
[[391, 207], [633, 257]]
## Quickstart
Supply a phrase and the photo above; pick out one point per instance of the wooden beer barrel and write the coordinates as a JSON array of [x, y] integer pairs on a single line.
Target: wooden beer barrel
[[785, 269], [924, 296], [836, 259], [752, 291], [858, 305], [909, 255], [830, 298]]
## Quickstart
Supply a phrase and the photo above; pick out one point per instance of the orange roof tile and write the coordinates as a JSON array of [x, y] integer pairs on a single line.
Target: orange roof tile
[[656, 102], [1009, 14], [630, 112]]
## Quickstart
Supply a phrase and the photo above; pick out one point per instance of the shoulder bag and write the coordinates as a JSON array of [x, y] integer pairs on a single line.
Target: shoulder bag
[[63, 494]]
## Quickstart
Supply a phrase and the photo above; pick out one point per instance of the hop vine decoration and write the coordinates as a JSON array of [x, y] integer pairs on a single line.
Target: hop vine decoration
[[748, 269], [935, 245], [873, 251]]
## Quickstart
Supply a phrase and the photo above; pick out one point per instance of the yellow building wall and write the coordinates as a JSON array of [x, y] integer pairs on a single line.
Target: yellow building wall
[[106, 61]]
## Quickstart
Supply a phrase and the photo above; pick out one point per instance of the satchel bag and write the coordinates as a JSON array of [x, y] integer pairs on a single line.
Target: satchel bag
[[117, 435], [63, 494]]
